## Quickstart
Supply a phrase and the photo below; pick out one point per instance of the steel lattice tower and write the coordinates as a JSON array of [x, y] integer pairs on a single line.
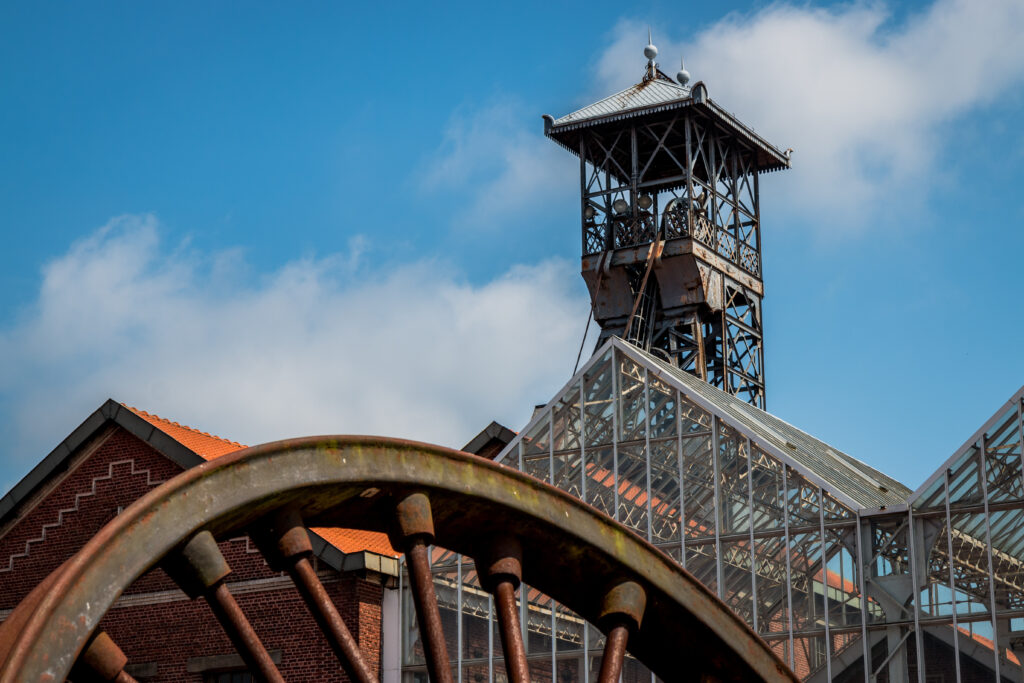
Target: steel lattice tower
[[671, 226]]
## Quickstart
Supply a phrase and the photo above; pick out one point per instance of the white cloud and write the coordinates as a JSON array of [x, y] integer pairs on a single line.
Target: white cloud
[[319, 346], [865, 102], [499, 157]]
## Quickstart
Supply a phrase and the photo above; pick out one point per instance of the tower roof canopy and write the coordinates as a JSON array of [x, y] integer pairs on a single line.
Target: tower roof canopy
[[655, 94], [646, 96]]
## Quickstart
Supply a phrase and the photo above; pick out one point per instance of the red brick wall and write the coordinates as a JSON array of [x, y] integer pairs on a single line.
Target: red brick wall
[[120, 470], [170, 634], [116, 472]]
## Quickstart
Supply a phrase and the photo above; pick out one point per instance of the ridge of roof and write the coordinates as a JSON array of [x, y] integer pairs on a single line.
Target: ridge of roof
[[987, 643], [205, 445], [647, 93]]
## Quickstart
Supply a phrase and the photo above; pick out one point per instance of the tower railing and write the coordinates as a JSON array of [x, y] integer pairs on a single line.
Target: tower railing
[[677, 222]]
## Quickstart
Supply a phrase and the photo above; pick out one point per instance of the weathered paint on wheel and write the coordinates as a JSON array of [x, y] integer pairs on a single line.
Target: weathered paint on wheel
[[570, 551]]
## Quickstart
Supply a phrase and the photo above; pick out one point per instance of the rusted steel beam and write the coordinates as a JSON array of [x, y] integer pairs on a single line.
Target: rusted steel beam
[[12, 629], [415, 532], [288, 547]]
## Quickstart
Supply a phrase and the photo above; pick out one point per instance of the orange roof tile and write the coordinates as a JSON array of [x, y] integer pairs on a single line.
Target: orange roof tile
[[209, 447], [356, 541], [203, 444]]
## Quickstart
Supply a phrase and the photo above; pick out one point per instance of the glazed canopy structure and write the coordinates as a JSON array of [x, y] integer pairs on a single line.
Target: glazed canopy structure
[[830, 561]]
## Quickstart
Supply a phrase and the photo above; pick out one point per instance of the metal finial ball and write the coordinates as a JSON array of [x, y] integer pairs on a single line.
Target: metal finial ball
[[683, 77], [650, 51]]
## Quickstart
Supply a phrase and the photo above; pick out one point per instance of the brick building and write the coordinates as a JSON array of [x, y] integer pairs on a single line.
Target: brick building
[[117, 455]]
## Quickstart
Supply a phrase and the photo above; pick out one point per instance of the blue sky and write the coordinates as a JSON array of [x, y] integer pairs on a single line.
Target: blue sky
[[268, 221]]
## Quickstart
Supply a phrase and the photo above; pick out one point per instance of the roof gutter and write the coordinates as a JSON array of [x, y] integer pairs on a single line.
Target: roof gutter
[[363, 562]]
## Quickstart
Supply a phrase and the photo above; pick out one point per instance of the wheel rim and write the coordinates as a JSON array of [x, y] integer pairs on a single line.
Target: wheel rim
[[568, 550]]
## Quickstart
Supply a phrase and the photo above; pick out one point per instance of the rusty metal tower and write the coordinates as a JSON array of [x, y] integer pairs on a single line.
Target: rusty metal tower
[[671, 225]]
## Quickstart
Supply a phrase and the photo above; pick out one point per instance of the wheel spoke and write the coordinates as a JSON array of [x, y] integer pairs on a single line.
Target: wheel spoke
[[286, 546], [511, 635], [614, 653], [416, 529], [345, 647], [200, 569], [502, 572], [241, 633], [104, 660], [622, 610]]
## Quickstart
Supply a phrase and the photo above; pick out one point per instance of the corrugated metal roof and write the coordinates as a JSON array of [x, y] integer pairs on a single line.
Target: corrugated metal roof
[[835, 471], [658, 93], [645, 94]]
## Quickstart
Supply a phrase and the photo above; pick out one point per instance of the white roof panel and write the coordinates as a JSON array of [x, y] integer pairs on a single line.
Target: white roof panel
[[648, 93]]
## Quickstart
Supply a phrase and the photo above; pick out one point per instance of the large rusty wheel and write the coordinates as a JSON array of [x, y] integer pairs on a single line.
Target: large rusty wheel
[[513, 525]]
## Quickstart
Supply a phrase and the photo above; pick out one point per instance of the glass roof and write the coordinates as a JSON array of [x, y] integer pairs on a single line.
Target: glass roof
[[849, 481]]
